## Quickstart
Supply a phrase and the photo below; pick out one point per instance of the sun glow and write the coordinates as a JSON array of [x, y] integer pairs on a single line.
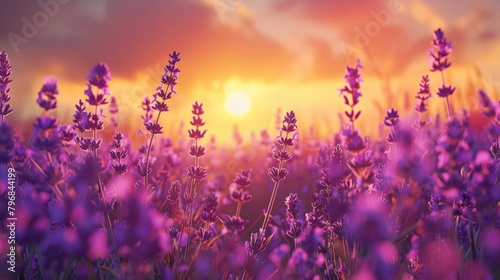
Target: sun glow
[[237, 103]]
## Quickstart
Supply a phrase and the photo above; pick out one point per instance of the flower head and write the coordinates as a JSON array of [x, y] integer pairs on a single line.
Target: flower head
[[486, 104], [99, 76], [293, 206], [169, 78], [198, 173], [441, 49], [5, 72], [210, 204], [391, 117], [353, 79], [243, 178], [234, 223], [47, 94], [423, 94], [445, 91], [334, 168]]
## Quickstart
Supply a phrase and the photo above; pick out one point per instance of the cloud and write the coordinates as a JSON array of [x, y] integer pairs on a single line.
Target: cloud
[[133, 37]]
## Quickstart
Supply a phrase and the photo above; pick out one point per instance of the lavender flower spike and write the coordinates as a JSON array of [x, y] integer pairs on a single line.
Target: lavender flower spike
[[279, 173], [5, 72], [441, 49]]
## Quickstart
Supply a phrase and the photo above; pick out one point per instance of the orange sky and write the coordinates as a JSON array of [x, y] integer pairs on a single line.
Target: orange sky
[[287, 54]]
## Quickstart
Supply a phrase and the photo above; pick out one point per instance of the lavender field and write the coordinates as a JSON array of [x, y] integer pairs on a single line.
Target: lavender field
[[423, 203], [84, 196]]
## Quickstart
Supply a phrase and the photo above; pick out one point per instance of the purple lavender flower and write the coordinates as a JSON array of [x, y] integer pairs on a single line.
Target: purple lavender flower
[[391, 118], [118, 155], [445, 91], [243, 179], [237, 190], [298, 266], [197, 122], [154, 128], [47, 95], [234, 223], [422, 97], [441, 49], [316, 218], [148, 112], [67, 133], [80, 117], [353, 141], [6, 142], [423, 94], [163, 93], [293, 208], [495, 149], [486, 104], [169, 78], [353, 79], [464, 204], [88, 144], [198, 173], [210, 204], [172, 206], [46, 123], [256, 244], [5, 72], [204, 234], [113, 110], [334, 169], [99, 76]]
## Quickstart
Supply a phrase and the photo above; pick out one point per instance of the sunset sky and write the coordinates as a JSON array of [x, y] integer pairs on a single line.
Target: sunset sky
[[287, 54]]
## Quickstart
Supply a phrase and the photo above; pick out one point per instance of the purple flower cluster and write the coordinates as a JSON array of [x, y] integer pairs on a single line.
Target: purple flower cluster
[[5, 72]]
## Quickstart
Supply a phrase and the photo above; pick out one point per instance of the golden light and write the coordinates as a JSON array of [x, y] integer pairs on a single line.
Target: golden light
[[237, 103]]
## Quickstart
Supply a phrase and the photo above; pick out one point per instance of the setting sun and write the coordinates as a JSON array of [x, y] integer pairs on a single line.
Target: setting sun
[[237, 103]]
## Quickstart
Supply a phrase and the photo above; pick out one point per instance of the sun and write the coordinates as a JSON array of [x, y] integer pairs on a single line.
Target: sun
[[237, 103]]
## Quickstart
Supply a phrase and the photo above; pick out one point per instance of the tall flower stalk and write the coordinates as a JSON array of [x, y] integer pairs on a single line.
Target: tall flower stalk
[[5, 72], [195, 172], [293, 208], [98, 77], [353, 79], [441, 49], [391, 120], [421, 107], [96, 92], [44, 137], [278, 174], [238, 190], [163, 93]]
